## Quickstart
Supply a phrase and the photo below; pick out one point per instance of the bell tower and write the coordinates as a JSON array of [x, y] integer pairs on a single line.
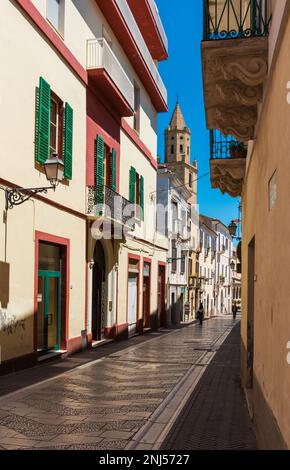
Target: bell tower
[[178, 152]]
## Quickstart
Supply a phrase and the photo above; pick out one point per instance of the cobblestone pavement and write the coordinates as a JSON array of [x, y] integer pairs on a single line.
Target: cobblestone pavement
[[103, 404], [216, 415]]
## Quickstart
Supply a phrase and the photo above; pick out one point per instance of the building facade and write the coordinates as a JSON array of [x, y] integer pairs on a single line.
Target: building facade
[[247, 98], [223, 270], [174, 222], [215, 270], [70, 272], [178, 160], [207, 266]]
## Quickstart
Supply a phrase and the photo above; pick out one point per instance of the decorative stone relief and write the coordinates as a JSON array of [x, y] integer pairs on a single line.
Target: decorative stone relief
[[228, 175], [234, 72]]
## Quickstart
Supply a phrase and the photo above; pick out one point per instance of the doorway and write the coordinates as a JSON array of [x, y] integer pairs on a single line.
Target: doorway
[[133, 295], [146, 294], [251, 308], [99, 293], [161, 296], [49, 295]]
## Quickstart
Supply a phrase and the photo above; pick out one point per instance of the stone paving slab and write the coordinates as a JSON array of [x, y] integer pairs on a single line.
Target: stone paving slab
[[216, 415], [105, 403]]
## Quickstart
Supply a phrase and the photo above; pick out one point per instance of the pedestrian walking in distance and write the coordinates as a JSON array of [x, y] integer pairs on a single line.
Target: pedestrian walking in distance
[[234, 310], [200, 313]]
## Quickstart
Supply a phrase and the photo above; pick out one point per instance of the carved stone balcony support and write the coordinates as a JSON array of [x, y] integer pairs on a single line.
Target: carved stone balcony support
[[234, 71], [228, 175]]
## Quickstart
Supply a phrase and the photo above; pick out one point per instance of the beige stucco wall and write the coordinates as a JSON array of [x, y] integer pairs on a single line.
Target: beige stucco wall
[[27, 56], [272, 233], [22, 223], [25, 61]]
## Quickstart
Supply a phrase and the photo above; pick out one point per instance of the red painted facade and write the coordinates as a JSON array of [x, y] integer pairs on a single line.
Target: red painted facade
[[110, 92], [146, 22], [100, 121]]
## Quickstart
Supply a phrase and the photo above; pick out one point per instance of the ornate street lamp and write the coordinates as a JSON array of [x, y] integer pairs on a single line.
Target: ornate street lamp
[[233, 265], [54, 169], [233, 228]]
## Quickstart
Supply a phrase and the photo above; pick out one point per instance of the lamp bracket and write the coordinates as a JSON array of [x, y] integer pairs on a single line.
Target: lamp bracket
[[17, 196]]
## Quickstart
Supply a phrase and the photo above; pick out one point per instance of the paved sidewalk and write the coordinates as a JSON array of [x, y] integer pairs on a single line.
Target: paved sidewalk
[[216, 415], [113, 402]]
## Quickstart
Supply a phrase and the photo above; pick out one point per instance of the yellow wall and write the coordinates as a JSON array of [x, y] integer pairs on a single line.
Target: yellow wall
[[272, 233]]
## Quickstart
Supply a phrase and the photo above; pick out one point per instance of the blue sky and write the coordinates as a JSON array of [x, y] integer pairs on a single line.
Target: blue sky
[[182, 74]]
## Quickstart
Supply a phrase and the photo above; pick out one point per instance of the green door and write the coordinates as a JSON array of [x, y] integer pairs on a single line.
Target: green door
[[49, 312]]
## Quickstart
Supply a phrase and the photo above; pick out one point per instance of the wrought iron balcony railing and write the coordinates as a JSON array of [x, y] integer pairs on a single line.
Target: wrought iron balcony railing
[[231, 19], [225, 146], [104, 202]]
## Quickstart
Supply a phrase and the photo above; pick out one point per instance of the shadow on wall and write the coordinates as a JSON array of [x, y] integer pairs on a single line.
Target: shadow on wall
[[4, 284]]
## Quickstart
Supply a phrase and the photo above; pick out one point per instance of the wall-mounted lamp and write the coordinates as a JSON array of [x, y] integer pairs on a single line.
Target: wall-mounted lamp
[[54, 169]]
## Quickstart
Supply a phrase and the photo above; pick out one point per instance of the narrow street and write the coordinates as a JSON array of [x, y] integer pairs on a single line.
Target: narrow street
[[130, 397]]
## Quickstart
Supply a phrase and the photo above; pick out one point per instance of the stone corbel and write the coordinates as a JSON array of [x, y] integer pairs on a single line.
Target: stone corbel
[[250, 71], [238, 93], [239, 121]]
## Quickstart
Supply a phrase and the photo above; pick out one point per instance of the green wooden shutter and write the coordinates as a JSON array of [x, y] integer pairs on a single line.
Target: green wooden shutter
[[132, 185], [114, 170], [141, 186], [68, 141], [99, 169], [43, 138]]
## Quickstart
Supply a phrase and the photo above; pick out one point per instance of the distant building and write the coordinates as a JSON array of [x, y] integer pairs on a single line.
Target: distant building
[[178, 161], [215, 273], [175, 225], [207, 266]]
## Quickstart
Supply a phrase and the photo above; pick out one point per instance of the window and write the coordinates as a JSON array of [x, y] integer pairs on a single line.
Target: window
[[55, 14], [190, 180], [136, 192], [54, 128], [182, 266], [105, 169], [174, 211], [190, 266], [56, 117], [137, 101], [188, 151], [172, 149], [272, 191], [181, 148], [173, 256], [107, 36]]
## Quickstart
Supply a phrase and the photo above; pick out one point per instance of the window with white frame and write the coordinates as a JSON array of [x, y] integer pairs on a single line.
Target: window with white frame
[[55, 14]]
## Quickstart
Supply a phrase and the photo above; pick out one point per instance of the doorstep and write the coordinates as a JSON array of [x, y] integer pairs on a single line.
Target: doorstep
[[101, 342], [51, 355]]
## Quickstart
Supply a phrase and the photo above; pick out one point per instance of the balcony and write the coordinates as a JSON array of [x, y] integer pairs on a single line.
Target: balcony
[[235, 63], [227, 163], [109, 77], [124, 25], [104, 203], [147, 17]]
